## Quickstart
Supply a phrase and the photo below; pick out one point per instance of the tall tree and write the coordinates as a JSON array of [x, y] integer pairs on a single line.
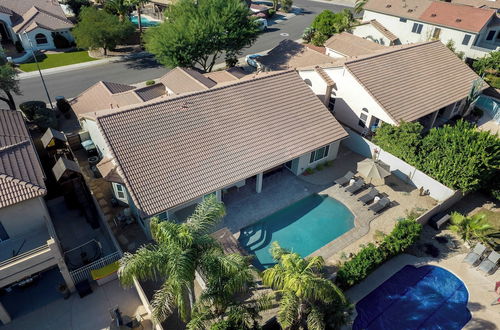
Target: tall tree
[[118, 7], [77, 5], [327, 23], [308, 300], [471, 228], [138, 6], [197, 33], [407, 135], [179, 251], [359, 6], [100, 29], [9, 83]]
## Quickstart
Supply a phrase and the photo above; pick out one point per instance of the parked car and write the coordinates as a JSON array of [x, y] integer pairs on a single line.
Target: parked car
[[251, 60], [262, 22]]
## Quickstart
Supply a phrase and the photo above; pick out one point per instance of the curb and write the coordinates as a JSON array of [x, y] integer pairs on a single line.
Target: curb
[[72, 67]]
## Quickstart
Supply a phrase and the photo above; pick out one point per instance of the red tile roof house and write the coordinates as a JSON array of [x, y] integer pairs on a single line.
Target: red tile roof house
[[422, 82], [28, 244], [474, 28], [164, 155], [35, 20]]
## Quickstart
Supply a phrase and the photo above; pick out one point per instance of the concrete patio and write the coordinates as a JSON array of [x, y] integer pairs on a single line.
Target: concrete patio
[[88, 313]]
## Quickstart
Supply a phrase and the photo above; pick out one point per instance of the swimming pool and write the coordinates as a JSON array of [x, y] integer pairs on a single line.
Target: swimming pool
[[426, 297], [145, 22], [490, 105], [303, 227]]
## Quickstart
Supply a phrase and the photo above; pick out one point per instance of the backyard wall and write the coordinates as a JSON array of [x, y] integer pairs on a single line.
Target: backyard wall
[[401, 169], [441, 207]]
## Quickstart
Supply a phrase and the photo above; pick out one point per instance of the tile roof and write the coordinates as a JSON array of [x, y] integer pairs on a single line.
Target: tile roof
[[185, 80], [382, 29], [479, 3], [350, 45], [171, 151], [231, 74], [290, 55], [149, 93], [115, 88], [409, 8], [409, 86], [39, 18], [21, 175], [456, 16]]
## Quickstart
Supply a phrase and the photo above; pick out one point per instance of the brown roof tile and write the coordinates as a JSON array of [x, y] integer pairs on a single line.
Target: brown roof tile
[[350, 45], [409, 86], [184, 80], [382, 29], [171, 151], [21, 176], [150, 92], [409, 8], [460, 17]]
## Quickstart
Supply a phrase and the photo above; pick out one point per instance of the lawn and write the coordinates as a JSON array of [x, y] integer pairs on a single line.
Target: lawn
[[493, 219], [47, 61]]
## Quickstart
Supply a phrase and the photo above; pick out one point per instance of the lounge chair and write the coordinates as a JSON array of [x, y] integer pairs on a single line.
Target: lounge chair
[[355, 187], [368, 197], [473, 258], [380, 205], [344, 179], [490, 264]]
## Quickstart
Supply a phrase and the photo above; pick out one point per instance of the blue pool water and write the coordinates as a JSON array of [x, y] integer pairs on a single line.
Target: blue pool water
[[302, 227], [490, 105], [145, 22], [426, 297]]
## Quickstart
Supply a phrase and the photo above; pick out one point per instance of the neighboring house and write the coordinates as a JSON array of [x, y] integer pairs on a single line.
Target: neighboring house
[[33, 19], [475, 31], [108, 95], [28, 244], [376, 32], [163, 156], [344, 45], [422, 82]]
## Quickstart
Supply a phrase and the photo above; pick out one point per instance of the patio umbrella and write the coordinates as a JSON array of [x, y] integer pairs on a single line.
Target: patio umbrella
[[373, 169]]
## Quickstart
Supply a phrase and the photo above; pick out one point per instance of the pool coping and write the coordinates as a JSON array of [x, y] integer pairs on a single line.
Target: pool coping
[[362, 219]]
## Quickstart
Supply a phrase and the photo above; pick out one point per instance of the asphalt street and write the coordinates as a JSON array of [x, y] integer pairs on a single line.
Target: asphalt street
[[130, 71]]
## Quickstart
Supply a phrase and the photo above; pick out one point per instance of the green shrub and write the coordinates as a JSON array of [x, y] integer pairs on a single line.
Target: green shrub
[[271, 12], [371, 256], [150, 82], [45, 118], [19, 46], [309, 170], [60, 41], [328, 163], [29, 108], [320, 167]]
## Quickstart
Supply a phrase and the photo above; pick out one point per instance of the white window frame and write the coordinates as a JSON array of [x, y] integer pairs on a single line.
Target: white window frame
[[417, 28], [319, 154], [120, 191]]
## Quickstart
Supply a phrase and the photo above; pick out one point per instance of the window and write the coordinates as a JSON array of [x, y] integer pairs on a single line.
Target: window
[[466, 39], [362, 120], [40, 39], [331, 104], [308, 82], [490, 35], [436, 33], [498, 35], [120, 193], [319, 154], [3, 233], [403, 20], [417, 28]]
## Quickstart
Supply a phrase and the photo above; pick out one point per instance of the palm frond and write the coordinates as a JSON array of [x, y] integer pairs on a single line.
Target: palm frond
[[316, 319], [206, 215], [288, 313], [163, 302], [147, 263]]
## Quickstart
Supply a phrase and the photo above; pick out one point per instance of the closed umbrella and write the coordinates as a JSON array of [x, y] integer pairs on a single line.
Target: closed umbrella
[[373, 169]]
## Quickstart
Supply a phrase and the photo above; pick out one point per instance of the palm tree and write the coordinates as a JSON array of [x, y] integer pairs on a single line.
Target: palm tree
[[359, 6], [470, 228], [179, 251], [137, 4], [307, 298], [118, 7]]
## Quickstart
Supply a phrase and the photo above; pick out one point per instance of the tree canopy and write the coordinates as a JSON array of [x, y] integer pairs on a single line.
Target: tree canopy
[[100, 29], [9, 84], [197, 34], [459, 156], [488, 64], [77, 5], [327, 23]]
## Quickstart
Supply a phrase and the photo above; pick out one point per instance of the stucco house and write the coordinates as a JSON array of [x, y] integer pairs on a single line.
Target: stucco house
[[164, 155], [35, 20], [422, 82], [343, 45], [474, 26], [28, 244]]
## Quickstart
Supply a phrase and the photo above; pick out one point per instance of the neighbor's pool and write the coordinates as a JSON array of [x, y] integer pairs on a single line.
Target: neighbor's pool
[[490, 105], [303, 227], [426, 297], [145, 22]]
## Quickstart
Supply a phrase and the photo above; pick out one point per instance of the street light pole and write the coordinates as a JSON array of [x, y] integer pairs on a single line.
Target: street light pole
[[39, 71]]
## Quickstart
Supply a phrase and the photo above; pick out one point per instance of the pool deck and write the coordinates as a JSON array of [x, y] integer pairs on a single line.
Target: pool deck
[[480, 287]]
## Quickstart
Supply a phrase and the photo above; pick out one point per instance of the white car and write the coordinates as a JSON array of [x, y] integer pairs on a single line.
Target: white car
[[250, 59], [262, 22]]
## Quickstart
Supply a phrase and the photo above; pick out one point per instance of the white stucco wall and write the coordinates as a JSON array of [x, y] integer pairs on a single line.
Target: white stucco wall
[[304, 160], [22, 218], [332, 53], [403, 30], [95, 135], [367, 31], [47, 33]]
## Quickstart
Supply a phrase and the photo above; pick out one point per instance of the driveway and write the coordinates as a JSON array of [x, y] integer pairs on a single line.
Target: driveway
[[130, 71]]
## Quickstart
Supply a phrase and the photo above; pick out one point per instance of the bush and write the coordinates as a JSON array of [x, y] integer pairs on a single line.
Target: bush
[[150, 82], [64, 106], [45, 118], [371, 256], [19, 46], [286, 5], [60, 41], [309, 170], [271, 12], [320, 167], [29, 108]]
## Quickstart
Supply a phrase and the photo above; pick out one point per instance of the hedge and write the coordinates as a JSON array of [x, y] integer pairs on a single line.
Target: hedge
[[372, 255]]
